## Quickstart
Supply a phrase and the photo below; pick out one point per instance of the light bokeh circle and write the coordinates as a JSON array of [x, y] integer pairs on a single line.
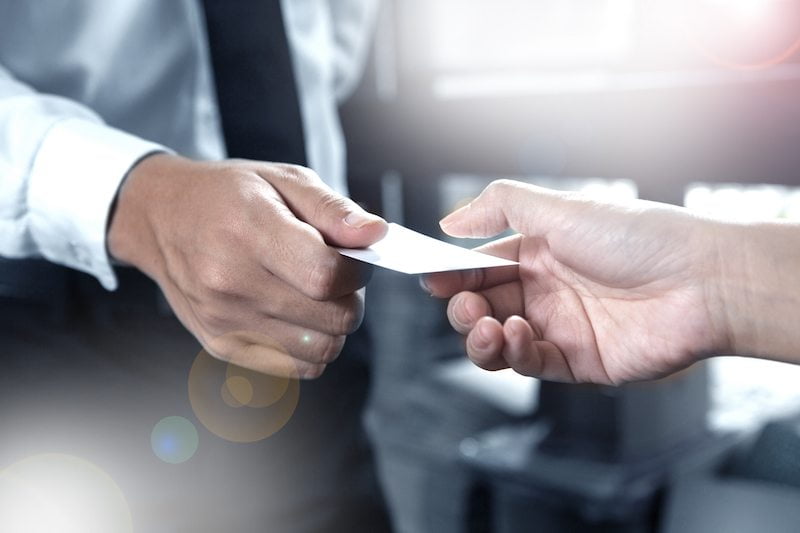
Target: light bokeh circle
[[174, 439], [238, 404], [54, 492], [237, 391], [255, 389]]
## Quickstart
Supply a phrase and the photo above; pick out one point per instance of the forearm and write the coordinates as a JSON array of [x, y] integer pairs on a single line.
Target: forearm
[[760, 288]]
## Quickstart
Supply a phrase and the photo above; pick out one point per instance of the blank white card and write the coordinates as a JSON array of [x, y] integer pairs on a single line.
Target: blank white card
[[410, 252]]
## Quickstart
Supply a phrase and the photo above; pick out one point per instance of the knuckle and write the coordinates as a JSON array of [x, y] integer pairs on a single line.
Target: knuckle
[[298, 174], [502, 184], [293, 173], [472, 279], [308, 175], [321, 281], [214, 278], [494, 187], [500, 188], [330, 202], [212, 318], [349, 318], [239, 223], [217, 350], [331, 348]]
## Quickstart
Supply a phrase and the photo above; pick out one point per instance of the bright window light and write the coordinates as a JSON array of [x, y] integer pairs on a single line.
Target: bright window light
[[507, 34], [746, 9], [744, 203]]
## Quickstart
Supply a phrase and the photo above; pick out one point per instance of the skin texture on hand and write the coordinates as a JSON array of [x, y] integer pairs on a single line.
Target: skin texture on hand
[[240, 250], [610, 293]]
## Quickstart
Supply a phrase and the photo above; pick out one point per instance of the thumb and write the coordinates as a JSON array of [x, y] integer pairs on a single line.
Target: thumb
[[341, 221], [502, 205]]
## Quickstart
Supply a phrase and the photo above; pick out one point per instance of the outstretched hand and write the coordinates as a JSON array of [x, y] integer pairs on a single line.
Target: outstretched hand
[[241, 251], [604, 293]]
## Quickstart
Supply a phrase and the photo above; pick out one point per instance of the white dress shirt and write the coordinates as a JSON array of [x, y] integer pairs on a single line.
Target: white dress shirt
[[89, 87]]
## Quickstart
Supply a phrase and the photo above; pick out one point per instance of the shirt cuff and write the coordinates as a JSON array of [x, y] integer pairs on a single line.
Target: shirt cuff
[[75, 177]]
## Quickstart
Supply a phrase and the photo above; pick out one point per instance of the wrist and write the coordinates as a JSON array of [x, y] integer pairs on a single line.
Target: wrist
[[130, 237], [728, 283], [760, 288]]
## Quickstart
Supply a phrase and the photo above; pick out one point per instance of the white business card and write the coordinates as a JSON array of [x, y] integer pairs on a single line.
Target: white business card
[[410, 252]]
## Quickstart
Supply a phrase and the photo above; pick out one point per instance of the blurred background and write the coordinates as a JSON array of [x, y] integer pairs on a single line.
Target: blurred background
[[691, 102]]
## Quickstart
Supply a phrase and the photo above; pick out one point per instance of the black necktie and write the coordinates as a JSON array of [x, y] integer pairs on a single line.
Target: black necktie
[[255, 82]]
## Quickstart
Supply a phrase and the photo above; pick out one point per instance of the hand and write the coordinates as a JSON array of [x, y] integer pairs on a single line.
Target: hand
[[240, 249], [603, 293]]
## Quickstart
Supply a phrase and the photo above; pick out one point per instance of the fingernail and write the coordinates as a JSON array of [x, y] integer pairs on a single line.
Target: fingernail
[[480, 341], [517, 325], [424, 284], [451, 218], [447, 221], [359, 219], [453, 310], [472, 309]]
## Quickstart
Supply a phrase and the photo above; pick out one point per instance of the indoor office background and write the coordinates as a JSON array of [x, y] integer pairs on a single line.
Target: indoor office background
[[692, 102]]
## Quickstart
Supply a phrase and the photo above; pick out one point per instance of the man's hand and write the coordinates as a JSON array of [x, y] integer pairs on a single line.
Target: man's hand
[[603, 293], [240, 249]]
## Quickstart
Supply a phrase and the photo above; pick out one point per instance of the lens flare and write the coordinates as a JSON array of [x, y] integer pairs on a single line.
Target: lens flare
[[53, 492], [237, 391], [238, 404], [744, 34], [174, 439]]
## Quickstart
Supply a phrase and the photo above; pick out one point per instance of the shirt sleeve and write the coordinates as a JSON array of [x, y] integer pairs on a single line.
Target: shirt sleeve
[[60, 170]]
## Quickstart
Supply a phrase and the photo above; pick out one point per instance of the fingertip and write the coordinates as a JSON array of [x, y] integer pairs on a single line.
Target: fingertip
[[485, 341], [517, 331], [466, 309], [519, 350], [485, 333], [455, 317], [475, 307], [452, 222], [364, 229], [359, 218], [518, 336], [426, 285]]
